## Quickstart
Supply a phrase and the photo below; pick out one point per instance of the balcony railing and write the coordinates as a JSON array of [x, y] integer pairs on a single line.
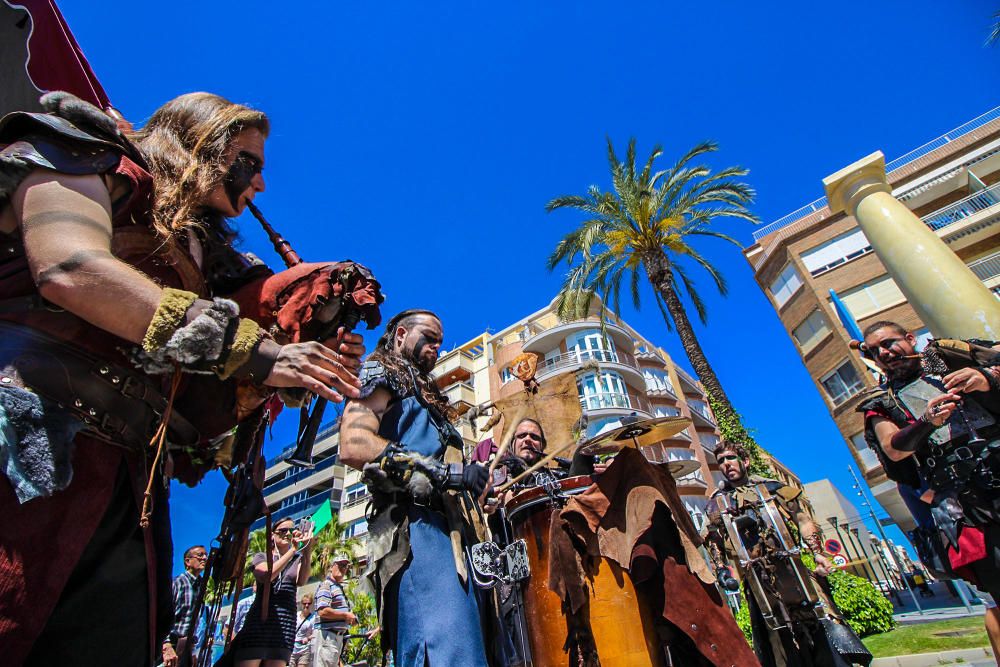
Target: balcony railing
[[294, 510], [986, 268], [902, 161], [302, 474], [963, 208], [605, 400], [699, 408]]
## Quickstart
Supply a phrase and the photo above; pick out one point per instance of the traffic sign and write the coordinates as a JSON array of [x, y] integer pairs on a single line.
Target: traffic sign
[[832, 546], [840, 561]]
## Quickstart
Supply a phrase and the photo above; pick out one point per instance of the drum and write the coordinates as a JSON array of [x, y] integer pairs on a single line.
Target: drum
[[621, 623]]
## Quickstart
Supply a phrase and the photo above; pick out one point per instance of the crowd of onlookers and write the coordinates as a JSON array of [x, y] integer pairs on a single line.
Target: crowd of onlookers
[[269, 627]]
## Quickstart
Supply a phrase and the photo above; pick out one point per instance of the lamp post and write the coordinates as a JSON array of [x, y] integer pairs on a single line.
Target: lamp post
[[869, 570], [878, 527]]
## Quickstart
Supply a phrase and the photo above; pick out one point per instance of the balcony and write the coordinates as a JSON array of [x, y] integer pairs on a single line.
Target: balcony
[[454, 367], [701, 414], [610, 404], [549, 339], [987, 268], [299, 476], [619, 361], [296, 510], [694, 480], [461, 395]]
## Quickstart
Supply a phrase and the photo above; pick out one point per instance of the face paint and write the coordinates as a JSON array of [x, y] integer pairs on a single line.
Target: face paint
[[240, 176], [422, 342]]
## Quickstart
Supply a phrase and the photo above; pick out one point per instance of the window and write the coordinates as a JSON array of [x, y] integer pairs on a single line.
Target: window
[[592, 344], [872, 297], [836, 251], [658, 381], [355, 493], [701, 408], [785, 285], [602, 390], [666, 411], [506, 375], [812, 330], [842, 383], [359, 527], [696, 506], [708, 440]]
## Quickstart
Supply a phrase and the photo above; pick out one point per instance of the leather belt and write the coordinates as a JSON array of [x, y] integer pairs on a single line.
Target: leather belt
[[117, 405]]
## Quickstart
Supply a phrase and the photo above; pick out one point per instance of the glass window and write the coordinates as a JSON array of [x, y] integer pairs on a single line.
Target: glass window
[[708, 440], [657, 380], [836, 251], [592, 344], [872, 297], [506, 375], [359, 527], [923, 337], [812, 330], [602, 390], [785, 285], [666, 411], [842, 383], [355, 492]]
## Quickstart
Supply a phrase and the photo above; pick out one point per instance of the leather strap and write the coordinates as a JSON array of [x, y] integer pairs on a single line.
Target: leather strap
[[116, 404]]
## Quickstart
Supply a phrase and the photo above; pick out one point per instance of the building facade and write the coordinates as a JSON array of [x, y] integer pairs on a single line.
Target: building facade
[[953, 185], [618, 373]]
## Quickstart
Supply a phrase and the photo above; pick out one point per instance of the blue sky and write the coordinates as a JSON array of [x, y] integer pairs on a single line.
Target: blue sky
[[424, 139]]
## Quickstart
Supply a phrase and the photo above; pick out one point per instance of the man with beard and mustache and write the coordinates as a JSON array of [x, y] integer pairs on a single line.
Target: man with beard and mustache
[[806, 642], [934, 427], [399, 433]]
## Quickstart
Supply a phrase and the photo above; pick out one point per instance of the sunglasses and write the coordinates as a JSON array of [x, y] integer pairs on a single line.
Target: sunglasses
[[532, 436], [284, 532], [728, 457]]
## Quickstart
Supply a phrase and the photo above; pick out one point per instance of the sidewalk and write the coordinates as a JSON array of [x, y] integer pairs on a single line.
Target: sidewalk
[[941, 607], [971, 657], [939, 614]]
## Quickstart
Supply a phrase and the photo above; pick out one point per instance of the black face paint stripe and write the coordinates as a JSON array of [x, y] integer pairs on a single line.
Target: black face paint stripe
[[240, 176]]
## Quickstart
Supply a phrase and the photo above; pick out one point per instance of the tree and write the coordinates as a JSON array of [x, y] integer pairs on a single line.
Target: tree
[[995, 32], [329, 542], [257, 544], [643, 227], [363, 605]]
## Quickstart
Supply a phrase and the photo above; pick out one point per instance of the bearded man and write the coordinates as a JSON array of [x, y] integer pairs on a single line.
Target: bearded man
[[399, 433], [114, 260], [935, 426], [804, 642]]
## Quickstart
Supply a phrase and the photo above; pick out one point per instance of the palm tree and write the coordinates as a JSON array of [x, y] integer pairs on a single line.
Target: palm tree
[[329, 542], [995, 32], [257, 544], [645, 225]]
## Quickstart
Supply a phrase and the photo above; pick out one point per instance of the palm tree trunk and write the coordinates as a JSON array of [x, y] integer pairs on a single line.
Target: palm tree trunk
[[729, 421]]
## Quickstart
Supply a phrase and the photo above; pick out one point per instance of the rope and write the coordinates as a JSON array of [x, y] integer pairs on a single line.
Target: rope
[[159, 443]]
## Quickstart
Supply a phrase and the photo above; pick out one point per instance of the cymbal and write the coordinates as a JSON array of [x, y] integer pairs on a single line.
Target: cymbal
[[641, 433], [682, 467]]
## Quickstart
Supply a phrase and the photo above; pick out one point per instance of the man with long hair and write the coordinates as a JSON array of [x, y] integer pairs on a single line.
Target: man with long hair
[[400, 434], [116, 260]]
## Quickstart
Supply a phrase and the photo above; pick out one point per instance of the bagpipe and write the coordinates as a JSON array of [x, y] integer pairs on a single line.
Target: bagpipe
[[306, 302]]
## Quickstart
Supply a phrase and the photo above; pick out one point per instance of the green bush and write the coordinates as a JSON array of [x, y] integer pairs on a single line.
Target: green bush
[[864, 607]]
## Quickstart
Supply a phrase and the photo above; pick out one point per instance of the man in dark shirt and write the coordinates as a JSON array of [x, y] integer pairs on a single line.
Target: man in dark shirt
[[176, 651]]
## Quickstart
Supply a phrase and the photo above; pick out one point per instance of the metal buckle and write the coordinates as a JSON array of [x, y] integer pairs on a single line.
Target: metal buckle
[[133, 388], [962, 454]]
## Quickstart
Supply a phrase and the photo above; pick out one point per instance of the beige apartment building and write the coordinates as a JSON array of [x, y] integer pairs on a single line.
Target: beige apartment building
[[953, 185], [618, 372]]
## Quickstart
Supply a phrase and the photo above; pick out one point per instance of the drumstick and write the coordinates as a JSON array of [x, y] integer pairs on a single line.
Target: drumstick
[[535, 467]]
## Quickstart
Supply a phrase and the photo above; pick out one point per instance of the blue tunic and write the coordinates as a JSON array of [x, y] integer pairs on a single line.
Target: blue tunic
[[437, 616]]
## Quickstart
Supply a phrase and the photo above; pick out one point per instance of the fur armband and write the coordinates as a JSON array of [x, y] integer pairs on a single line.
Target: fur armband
[[248, 334], [203, 345], [398, 470], [169, 317]]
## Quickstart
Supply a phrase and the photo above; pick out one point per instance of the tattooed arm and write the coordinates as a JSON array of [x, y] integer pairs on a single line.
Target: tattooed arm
[[359, 438]]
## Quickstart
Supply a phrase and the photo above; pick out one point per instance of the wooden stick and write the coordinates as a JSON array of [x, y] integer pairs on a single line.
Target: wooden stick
[[535, 467]]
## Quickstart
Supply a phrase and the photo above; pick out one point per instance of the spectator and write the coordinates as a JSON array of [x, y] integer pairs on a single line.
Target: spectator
[[176, 650], [302, 650], [267, 641], [333, 613]]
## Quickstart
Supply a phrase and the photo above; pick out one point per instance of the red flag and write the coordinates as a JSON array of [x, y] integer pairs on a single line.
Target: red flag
[[38, 53]]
